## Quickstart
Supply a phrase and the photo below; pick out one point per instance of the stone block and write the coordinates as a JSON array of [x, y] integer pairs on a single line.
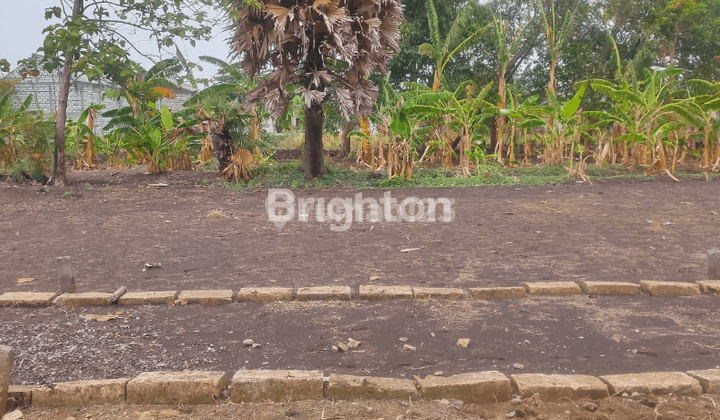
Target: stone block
[[609, 288], [347, 387], [276, 385], [497, 292], [709, 287], [377, 292], [148, 298], [449, 293], [205, 297], [19, 397], [187, 387], [83, 299], [478, 388], [81, 393], [657, 383], [553, 288], [324, 293], [709, 380], [65, 274], [554, 387], [7, 358], [27, 299], [669, 288], [265, 294], [713, 264]]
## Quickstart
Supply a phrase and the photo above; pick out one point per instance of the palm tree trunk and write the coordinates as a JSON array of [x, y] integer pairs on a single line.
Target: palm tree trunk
[[313, 153], [345, 139]]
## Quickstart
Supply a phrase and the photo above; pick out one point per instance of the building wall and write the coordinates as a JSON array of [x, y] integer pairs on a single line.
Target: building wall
[[45, 89]]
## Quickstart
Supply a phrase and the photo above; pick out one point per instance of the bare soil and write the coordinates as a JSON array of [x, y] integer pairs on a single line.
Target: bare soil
[[112, 222]]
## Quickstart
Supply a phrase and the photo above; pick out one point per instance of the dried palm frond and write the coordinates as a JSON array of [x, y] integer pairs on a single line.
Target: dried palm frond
[[239, 167]]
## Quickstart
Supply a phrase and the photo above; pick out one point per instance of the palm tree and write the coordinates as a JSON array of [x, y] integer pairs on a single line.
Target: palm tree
[[325, 47]]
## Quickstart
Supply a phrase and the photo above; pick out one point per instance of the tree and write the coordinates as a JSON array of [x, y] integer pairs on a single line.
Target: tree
[[325, 47], [444, 50], [91, 38]]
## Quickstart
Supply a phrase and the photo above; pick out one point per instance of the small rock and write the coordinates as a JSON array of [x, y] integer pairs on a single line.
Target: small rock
[[15, 415], [463, 342], [335, 349], [403, 339], [444, 402], [342, 347], [637, 395], [353, 343], [248, 342], [408, 347], [511, 415], [256, 345], [439, 373], [517, 399], [590, 406], [518, 366]]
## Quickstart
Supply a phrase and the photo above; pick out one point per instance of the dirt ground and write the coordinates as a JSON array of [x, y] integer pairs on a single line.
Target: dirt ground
[[112, 222]]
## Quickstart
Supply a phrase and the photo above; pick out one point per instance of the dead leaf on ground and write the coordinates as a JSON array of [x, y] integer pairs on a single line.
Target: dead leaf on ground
[[26, 280], [102, 318]]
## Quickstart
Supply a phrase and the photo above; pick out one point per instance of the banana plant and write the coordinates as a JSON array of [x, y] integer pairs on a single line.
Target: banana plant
[[462, 110], [645, 110], [80, 137], [160, 139], [444, 50], [700, 112]]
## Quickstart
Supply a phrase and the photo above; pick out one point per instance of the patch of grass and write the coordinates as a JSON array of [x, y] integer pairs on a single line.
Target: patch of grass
[[289, 175]]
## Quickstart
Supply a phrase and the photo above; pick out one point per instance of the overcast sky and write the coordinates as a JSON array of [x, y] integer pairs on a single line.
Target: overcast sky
[[22, 23]]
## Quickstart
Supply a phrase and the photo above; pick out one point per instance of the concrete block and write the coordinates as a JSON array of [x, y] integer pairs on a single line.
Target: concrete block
[[449, 293], [497, 292], [609, 288], [83, 299], [265, 294], [187, 387], [27, 299], [205, 297], [7, 358], [553, 288], [148, 298], [669, 288], [277, 385], [479, 387], [713, 264], [657, 383], [65, 274], [710, 287], [81, 393], [709, 380], [347, 387], [554, 387], [19, 397], [373, 292], [324, 293]]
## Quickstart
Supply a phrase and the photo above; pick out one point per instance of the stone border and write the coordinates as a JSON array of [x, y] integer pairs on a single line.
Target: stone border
[[200, 387], [372, 292]]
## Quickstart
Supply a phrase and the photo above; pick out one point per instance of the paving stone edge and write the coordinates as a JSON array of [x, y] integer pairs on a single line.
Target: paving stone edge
[[470, 387], [371, 293]]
